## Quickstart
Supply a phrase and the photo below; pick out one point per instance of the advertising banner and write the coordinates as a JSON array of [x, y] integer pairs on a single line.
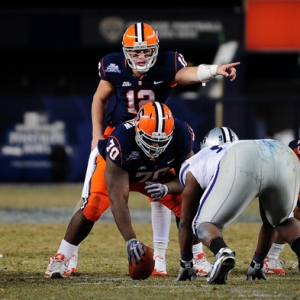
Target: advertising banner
[[82, 29]]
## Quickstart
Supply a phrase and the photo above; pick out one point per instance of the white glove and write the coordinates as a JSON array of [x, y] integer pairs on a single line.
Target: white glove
[[156, 190]]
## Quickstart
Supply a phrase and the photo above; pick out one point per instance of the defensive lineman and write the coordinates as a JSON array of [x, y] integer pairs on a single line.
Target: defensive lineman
[[219, 183]]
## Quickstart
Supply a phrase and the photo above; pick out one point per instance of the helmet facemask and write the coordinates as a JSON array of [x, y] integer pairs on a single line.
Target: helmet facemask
[[150, 54], [140, 37], [146, 142]]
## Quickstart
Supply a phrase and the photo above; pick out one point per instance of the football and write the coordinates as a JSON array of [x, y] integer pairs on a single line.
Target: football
[[143, 269]]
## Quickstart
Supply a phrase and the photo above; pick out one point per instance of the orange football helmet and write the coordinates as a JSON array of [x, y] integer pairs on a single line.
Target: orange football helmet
[[140, 37], [154, 125], [295, 146]]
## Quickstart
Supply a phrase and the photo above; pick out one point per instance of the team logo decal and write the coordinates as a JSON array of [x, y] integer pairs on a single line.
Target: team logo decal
[[113, 68], [134, 155], [139, 116], [112, 29]]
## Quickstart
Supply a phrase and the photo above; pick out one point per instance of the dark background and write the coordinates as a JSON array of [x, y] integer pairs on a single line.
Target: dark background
[[263, 73], [53, 73]]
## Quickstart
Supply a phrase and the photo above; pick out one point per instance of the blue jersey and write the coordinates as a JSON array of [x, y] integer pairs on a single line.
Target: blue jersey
[[122, 149], [132, 92]]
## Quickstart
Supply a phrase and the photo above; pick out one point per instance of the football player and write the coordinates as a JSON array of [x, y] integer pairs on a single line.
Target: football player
[[151, 147], [272, 263], [219, 183], [135, 76]]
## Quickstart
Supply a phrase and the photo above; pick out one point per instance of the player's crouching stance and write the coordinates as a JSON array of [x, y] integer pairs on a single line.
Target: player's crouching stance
[[151, 147], [139, 74], [219, 183]]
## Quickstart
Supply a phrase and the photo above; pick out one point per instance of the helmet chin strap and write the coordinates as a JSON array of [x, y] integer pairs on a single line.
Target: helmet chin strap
[[142, 69], [137, 68]]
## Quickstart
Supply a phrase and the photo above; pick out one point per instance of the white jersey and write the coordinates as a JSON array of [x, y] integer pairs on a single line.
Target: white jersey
[[204, 164], [233, 174]]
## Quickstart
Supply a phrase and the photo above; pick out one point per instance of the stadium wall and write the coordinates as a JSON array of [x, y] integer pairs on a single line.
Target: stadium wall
[[47, 139]]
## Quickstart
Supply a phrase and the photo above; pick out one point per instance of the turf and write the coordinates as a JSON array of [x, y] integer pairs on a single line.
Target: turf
[[103, 271]]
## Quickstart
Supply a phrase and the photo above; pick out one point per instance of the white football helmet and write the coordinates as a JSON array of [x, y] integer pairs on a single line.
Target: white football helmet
[[218, 136]]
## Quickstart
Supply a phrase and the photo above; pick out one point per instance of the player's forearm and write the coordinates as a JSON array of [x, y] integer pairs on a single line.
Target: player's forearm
[[201, 73], [204, 73], [98, 114], [187, 75], [186, 238], [97, 134], [174, 186], [122, 218], [100, 99], [117, 182]]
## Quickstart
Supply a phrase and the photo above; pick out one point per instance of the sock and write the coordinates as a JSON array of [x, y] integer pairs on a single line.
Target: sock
[[67, 249], [76, 251], [275, 250], [216, 244], [197, 249], [295, 246], [161, 223], [160, 249]]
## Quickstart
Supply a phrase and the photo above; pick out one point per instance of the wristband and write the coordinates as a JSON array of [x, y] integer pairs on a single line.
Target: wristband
[[206, 72], [256, 265], [186, 264], [129, 241], [186, 256], [166, 189]]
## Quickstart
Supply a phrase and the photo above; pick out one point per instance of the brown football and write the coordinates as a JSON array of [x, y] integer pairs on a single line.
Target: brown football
[[143, 269]]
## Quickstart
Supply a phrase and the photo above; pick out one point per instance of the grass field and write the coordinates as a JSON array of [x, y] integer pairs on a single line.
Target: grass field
[[103, 272]]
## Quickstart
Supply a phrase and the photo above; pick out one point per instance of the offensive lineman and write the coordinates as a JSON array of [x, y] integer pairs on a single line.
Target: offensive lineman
[[151, 147]]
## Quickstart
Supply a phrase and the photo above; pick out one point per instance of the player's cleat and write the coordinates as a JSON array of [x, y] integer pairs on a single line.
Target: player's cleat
[[224, 263], [160, 268], [1, 255], [273, 266], [57, 267], [201, 265], [72, 267]]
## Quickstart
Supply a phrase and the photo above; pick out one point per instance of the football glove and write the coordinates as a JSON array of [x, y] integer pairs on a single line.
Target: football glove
[[186, 271], [156, 190], [255, 271], [135, 250]]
